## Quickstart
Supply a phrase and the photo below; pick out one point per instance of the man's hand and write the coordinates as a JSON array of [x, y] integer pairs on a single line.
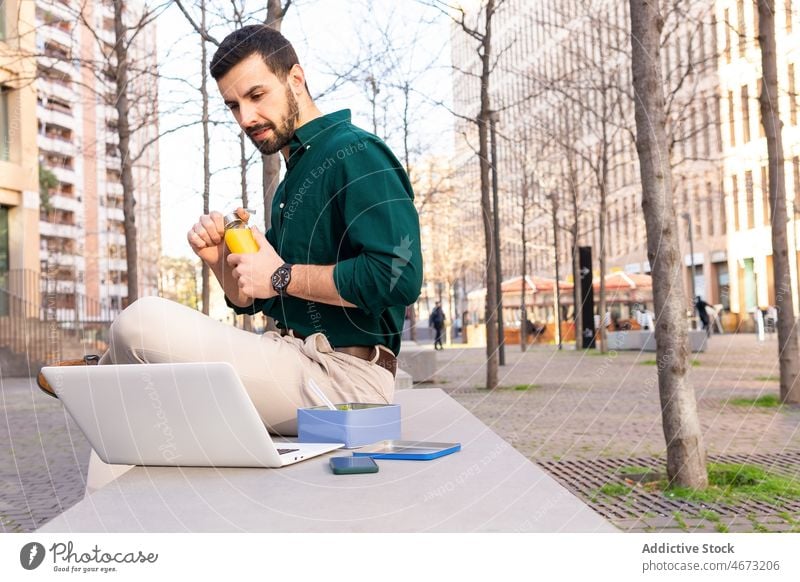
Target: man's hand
[[206, 237], [253, 271]]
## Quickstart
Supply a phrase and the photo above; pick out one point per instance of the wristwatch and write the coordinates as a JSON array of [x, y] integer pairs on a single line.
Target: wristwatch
[[281, 279]]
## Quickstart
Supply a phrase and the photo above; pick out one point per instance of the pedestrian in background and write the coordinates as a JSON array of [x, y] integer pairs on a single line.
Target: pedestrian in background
[[436, 321]]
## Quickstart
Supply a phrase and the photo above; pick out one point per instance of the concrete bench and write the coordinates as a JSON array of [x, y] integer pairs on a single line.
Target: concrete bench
[[419, 361], [488, 486], [644, 340]]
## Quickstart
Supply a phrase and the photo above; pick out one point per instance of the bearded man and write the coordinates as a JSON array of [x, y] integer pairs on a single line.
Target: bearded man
[[336, 269]]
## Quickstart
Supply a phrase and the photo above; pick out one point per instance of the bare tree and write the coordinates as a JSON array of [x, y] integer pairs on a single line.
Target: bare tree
[[686, 458], [788, 356], [481, 32], [276, 11]]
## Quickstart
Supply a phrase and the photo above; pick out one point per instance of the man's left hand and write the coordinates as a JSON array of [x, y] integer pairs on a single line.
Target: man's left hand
[[254, 271]]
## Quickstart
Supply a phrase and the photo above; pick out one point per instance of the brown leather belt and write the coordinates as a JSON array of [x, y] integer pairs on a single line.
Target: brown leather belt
[[386, 358]]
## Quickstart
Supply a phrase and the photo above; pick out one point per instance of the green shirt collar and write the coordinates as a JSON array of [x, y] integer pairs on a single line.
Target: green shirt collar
[[305, 135]]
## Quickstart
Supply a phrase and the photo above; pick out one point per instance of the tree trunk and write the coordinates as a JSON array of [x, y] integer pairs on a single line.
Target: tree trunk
[[247, 322], [601, 306], [576, 262], [271, 163], [412, 309], [124, 132], [787, 330], [206, 289], [556, 290], [523, 317], [686, 457], [486, 206]]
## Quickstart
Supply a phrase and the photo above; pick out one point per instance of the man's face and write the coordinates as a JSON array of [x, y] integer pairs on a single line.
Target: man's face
[[263, 105]]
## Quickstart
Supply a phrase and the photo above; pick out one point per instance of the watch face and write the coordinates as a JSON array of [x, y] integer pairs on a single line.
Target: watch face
[[280, 279]]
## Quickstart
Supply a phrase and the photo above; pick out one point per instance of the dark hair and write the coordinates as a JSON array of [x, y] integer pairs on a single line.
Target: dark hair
[[277, 52]]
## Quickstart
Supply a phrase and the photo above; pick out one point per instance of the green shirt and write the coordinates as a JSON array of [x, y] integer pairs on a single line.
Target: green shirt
[[346, 201]]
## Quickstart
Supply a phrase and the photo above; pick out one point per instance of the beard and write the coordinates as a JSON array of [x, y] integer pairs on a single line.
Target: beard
[[280, 135]]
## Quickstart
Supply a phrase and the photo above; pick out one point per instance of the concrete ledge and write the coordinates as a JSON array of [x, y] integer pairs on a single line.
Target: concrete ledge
[[697, 341], [645, 341], [418, 361], [403, 381]]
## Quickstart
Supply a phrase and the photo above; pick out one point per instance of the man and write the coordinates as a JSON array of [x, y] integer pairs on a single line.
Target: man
[[702, 307], [436, 321], [336, 270]]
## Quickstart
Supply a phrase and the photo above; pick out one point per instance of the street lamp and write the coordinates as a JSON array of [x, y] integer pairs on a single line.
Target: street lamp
[[501, 344]]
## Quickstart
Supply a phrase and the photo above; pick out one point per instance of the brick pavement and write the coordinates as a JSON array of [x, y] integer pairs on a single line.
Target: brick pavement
[[43, 470], [584, 405], [580, 406]]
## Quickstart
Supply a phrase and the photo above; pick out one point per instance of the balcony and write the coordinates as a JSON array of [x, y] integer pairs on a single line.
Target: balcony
[[115, 214], [65, 203], [60, 230], [57, 117], [56, 146], [63, 174]]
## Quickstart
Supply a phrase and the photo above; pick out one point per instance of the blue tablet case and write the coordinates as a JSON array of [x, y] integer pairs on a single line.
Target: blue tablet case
[[408, 450]]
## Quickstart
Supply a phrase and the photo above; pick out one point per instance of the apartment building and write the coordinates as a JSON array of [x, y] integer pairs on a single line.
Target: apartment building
[[563, 77], [82, 244], [19, 181]]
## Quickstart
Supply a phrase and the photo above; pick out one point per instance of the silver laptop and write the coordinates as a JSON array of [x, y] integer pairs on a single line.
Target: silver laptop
[[188, 415]]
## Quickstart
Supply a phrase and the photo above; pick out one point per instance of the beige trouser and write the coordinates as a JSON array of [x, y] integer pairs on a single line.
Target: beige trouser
[[274, 369]]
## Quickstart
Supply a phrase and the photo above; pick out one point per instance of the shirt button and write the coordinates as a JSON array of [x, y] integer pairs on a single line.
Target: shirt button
[[281, 205], [308, 147]]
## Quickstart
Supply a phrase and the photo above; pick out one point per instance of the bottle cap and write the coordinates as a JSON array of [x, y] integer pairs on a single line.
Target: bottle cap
[[232, 220]]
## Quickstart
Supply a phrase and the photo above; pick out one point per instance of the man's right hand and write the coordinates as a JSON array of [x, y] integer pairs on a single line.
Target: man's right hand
[[206, 237]]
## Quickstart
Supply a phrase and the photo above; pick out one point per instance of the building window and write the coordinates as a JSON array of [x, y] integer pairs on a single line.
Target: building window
[[5, 132], [765, 195], [741, 28], [745, 115], [709, 210], [755, 24], [796, 176], [748, 190], [735, 197], [727, 27], [788, 12], [731, 119], [706, 129]]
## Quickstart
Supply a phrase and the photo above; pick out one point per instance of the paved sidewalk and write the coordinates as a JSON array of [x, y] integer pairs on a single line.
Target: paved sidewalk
[[578, 406], [585, 404], [43, 470]]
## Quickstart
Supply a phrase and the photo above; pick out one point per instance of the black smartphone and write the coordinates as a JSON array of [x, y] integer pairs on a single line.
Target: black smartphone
[[353, 465]]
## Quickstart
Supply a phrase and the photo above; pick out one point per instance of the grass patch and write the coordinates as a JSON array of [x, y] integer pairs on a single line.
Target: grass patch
[[632, 470], [730, 483], [768, 378], [766, 401], [615, 489], [709, 515], [721, 528], [680, 521], [653, 362], [523, 387]]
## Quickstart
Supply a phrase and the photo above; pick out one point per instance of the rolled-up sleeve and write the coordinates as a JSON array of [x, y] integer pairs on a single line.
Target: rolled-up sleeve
[[382, 232]]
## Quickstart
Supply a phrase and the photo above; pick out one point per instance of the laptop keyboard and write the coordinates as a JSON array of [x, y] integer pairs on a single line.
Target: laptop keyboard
[[284, 451]]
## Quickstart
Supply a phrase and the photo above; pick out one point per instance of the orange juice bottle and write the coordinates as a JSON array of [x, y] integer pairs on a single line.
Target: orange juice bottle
[[238, 235]]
